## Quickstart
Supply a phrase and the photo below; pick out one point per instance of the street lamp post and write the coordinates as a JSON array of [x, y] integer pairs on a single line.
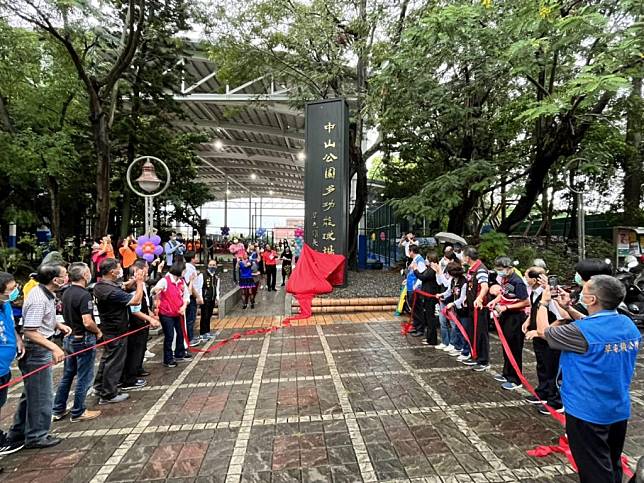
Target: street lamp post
[[149, 182]]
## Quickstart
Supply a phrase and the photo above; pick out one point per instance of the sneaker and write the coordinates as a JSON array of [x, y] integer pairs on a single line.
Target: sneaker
[[252, 305], [170, 364], [195, 342], [463, 358], [416, 333], [470, 362], [208, 336], [185, 358], [116, 399], [441, 346], [8, 447], [510, 386], [143, 374], [481, 367], [86, 416], [448, 348], [60, 417], [148, 354], [534, 400], [138, 384], [454, 353], [244, 307], [500, 378]]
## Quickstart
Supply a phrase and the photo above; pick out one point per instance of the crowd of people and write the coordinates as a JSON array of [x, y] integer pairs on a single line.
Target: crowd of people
[[585, 350], [128, 303], [255, 267]]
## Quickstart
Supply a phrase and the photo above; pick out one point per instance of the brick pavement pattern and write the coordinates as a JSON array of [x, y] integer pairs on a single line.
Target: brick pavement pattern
[[337, 398]]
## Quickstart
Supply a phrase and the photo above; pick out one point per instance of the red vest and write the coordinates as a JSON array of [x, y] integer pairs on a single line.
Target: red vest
[[171, 300]]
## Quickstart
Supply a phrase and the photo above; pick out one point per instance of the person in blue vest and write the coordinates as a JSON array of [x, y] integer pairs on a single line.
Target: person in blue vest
[[598, 355], [418, 263], [11, 346]]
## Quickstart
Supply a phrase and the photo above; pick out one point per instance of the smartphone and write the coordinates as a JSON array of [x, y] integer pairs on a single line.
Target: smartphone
[[553, 281]]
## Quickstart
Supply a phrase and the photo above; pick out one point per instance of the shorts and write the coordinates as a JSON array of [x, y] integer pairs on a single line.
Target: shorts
[[4, 391]]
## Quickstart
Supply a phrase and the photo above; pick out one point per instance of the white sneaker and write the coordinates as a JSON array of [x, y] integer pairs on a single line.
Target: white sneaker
[[441, 346], [448, 348], [148, 354], [454, 353], [463, 358]]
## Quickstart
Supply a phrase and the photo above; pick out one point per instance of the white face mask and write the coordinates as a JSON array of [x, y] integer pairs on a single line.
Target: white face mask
[[119, 274]]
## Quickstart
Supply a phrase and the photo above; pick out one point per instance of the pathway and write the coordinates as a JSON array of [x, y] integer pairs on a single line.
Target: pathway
[[331, 402]]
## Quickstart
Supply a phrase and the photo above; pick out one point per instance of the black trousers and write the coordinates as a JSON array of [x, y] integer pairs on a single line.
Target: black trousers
[[111, 366], [597, 449], [431, 320], [416, 302], [271, 276], [482, 336], [547, 370], [511, 323], [206, 314], [286, 272], [135, 352]]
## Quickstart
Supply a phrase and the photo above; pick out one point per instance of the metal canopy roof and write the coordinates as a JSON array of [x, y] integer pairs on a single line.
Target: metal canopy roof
[[257, 139]]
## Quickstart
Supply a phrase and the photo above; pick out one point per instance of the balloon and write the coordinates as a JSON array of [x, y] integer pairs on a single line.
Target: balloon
[[149, 247]]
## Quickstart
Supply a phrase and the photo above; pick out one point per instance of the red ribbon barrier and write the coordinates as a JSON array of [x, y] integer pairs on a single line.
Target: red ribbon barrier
[[451, 316], [563, 447], [236, 336], [42, 368]]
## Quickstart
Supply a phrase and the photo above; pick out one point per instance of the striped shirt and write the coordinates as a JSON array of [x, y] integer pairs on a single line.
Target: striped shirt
[[39, 311]]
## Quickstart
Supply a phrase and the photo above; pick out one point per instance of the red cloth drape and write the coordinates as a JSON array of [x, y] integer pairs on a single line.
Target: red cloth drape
[[315, 273]]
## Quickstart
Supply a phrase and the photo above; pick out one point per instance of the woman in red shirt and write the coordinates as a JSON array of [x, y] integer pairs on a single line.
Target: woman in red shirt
[[270, 263]]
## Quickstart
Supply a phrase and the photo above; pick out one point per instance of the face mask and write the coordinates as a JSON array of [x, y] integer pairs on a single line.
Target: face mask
[[119, 274], [13, 296], [59, 282], [578, 280], [211, 269], [88, 278]]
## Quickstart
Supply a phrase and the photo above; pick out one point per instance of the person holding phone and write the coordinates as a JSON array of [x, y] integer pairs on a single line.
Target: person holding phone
[[598, 357], [510, 307], [547, 358]]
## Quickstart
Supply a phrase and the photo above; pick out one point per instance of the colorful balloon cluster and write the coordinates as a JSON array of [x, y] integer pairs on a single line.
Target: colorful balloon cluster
[[149, 247], [299, 241], [260, 232], [225, 231]]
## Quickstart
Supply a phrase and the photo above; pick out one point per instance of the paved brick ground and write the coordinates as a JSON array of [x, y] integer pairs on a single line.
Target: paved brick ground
[[332, 402]]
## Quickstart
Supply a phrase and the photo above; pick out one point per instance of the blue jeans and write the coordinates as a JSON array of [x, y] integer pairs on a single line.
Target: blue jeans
[[191, 316], [171, 327], [82, 366], [32, 420], [468, 325], [445, 326]]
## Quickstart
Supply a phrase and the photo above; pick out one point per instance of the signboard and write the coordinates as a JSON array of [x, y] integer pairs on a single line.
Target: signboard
[[326, 182]]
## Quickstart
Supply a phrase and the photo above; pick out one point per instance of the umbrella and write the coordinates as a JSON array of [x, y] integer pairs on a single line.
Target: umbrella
[[447, 237]]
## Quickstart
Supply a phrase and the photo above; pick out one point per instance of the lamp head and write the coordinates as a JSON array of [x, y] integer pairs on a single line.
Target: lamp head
[[148, 181]]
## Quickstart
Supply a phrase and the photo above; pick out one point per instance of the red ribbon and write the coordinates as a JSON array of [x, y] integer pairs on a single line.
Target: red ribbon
[[235, 336], [563, 446], [52, 363], [452, 317]]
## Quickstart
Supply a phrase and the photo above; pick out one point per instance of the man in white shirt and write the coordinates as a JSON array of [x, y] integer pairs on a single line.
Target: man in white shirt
[[406, 241]]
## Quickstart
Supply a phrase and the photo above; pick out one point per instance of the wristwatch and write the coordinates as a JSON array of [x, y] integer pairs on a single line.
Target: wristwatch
[[544, 304]]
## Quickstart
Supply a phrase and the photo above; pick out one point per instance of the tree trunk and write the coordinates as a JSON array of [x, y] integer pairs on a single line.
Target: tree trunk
[[125, 212], [633, 162], [54, 203], [103, 164]]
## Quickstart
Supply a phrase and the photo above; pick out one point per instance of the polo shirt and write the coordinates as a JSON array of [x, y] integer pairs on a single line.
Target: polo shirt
[[39, 311], [112, 303]]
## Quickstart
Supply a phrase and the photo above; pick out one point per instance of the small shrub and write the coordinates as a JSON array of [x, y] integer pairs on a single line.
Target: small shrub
[[493, 245]]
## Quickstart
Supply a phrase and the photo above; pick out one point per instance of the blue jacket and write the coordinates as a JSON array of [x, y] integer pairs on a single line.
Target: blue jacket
[[7, 338], [596, 384]]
